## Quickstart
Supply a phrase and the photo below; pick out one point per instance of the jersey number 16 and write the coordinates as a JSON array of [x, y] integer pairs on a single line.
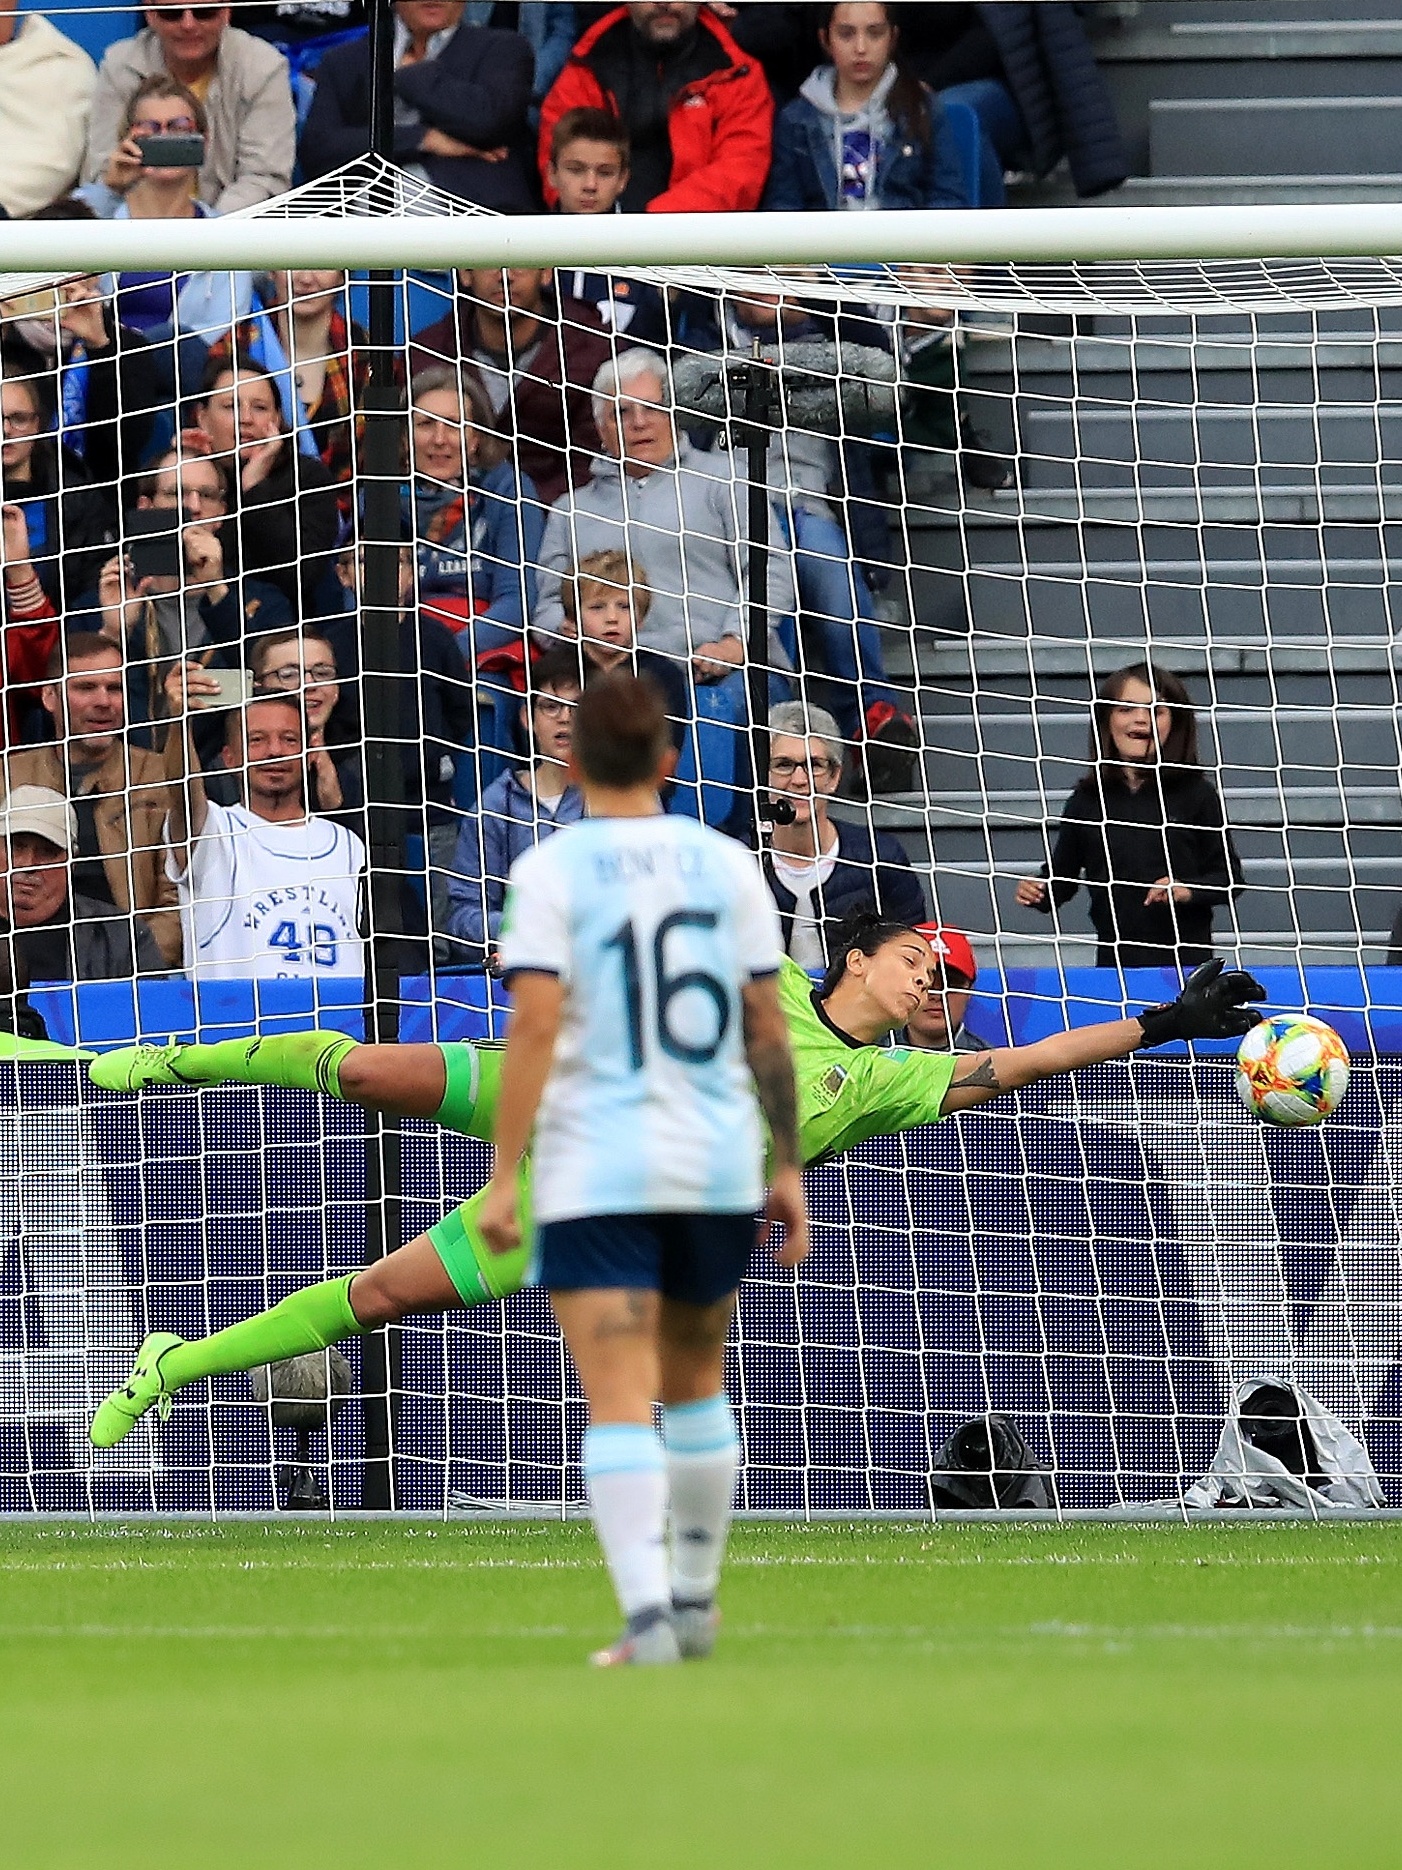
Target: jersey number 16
[[666, 988]]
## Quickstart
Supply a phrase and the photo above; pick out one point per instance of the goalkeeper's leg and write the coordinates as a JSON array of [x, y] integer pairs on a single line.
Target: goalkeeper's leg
[[455, 1083], [449, 1266]]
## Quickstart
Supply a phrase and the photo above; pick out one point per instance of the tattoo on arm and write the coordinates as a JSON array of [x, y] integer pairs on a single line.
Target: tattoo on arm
[[774, 1082], [983, 1077]]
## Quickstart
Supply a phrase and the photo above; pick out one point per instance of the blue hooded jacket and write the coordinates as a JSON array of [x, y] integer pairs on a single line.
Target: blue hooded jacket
[[808, 136]]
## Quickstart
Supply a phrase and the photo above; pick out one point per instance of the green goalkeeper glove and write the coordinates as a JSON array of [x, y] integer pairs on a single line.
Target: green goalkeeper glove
[[1212, 1005]]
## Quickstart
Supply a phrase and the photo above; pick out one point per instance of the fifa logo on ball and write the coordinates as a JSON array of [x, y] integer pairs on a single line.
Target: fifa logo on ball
[[1292, 1069]]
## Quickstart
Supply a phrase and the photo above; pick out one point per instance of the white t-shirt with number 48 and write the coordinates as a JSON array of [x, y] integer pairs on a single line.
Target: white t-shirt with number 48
[[653, 926], [267, 901]]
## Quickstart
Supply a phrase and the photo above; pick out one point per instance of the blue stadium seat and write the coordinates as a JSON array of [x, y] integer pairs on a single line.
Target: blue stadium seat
[[94, 27]]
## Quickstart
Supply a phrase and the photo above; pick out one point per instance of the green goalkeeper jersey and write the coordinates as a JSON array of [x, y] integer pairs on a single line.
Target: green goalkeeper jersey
[[846, 1091]]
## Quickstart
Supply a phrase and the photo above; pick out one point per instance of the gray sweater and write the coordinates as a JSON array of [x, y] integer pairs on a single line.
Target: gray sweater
[[252, 125], [683, 525]]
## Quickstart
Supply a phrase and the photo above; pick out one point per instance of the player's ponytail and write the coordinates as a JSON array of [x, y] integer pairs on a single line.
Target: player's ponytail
[[863, 929]]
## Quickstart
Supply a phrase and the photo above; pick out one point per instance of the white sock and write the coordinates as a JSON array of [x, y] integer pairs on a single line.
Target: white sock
[[627, 1480], [703, 1458]]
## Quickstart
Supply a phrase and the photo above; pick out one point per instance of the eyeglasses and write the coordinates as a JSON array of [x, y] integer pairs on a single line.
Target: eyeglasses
[[20, 419], [152, 126], [785, 769], [553, 706], [179, 12], [291, 675]]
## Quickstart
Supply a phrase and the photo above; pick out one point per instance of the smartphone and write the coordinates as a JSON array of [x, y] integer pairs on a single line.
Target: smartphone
[[235, 688], [172, 152], [153, 542]]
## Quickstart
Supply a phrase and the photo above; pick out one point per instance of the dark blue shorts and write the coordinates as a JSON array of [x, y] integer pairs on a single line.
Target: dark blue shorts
[[696, 1258]]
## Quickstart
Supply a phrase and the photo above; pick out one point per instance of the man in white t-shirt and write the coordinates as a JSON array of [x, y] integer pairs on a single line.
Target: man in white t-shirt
[[819, 870], [267, 890]]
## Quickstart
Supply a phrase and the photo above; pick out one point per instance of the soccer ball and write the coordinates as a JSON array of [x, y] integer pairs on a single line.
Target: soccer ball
[[1291, 1069]]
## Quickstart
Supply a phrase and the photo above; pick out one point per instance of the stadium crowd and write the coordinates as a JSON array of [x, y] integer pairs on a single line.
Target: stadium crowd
[[181, 496]]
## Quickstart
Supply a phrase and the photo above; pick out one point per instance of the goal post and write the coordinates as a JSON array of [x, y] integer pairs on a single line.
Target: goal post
[[1009, 456]]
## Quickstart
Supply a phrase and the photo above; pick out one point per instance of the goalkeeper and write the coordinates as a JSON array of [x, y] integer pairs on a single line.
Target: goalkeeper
[[850, 1086]]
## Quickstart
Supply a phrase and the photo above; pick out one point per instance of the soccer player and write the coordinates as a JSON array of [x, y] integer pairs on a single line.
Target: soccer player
[[642, 951], [850, 1087]]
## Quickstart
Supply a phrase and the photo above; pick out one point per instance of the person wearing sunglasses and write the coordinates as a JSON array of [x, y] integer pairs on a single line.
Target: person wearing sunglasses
[[244, 88]]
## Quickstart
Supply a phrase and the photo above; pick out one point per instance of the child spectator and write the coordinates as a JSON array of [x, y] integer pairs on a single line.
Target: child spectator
[[938, 1025], [588, 173], [863, 132], [699, 112], [606, 604], [46, 87], [1144, 829], [247, 99], [518, 809]]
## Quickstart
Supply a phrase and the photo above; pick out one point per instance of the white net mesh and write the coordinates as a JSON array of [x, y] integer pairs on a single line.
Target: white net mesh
[[985, 490]]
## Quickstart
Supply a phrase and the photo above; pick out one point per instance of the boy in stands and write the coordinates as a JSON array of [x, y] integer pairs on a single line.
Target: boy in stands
[[588, 170]]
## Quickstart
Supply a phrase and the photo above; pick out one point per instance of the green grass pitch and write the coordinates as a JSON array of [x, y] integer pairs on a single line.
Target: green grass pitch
[[415, 1694]]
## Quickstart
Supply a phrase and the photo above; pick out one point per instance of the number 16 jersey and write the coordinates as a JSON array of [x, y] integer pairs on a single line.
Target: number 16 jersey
[[653, 926]]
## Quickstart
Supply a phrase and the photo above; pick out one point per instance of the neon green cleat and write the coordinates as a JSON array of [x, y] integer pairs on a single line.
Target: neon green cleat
[[124, 1408], [133, 1067]]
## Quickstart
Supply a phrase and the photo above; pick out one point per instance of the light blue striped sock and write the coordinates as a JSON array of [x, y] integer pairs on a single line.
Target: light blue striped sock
[[626, 1473], [703, 1458]]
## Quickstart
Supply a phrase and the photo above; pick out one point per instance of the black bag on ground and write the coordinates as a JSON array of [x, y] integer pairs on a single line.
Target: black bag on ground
[[985, 1464]]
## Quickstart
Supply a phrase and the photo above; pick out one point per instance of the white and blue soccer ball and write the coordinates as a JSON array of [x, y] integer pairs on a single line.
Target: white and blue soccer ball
[[1292, 1069]]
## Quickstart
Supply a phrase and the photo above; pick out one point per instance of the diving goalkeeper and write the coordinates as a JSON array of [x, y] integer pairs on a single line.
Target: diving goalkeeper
[[850, 1086]]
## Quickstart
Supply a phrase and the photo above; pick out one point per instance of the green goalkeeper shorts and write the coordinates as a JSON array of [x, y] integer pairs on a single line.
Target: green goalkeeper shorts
[[469, 1106]]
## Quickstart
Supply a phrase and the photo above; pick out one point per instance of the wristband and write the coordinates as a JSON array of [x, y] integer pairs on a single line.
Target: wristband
[[1160, 1024]]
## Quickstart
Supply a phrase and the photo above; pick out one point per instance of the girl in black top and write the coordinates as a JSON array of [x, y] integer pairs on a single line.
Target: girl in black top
[[1144, 829]]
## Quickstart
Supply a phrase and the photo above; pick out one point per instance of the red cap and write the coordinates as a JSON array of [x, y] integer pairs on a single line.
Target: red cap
[[952, 948]]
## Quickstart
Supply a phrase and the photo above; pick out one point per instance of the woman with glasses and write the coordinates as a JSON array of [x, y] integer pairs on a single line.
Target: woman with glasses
[[820, 870], [244, 88], [55, 521], [157, 303]]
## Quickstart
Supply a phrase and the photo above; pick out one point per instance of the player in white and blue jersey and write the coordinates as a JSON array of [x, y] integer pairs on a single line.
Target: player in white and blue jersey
[[643, 955]]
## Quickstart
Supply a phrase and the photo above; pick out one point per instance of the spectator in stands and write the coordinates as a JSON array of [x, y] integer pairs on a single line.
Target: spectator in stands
[[117, 790], [54, 931], [699, 113], [164, 304], [56, 522], [1144, 829], [518, 809], [864, 132], [244, 89], [1030, 77], [938, 1025], [267, 889], [818, 870], [304, 334], [46, 87], [549, 29], [475, 521], [284, 500], [107, 384], [588, 173], [534, 355], [672, 509], [605, 605], [461, 95], [204, 608]]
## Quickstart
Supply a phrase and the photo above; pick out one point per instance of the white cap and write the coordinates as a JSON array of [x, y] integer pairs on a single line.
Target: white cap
[[42, 813]]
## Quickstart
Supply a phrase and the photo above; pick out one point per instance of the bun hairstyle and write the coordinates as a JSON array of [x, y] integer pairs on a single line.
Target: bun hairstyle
[[865, 930], [908, 100]]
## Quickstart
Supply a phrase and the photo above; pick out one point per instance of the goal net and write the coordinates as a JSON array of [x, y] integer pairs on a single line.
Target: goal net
[[925, 512]]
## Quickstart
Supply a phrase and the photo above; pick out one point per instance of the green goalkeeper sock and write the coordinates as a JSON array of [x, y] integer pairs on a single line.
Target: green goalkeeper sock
[[302, 1061], [306, 1321]]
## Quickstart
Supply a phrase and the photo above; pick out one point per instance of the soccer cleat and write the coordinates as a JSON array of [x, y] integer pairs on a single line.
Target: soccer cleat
[[124, 1408], [133, 1067], [696, 1626], [656, 1644]]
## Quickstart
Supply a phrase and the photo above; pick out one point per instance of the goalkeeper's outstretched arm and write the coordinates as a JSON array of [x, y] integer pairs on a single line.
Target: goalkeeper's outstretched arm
[[1213, 1005]]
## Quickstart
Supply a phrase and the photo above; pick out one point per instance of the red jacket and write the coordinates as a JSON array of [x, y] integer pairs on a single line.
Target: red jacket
[[720, 127]]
